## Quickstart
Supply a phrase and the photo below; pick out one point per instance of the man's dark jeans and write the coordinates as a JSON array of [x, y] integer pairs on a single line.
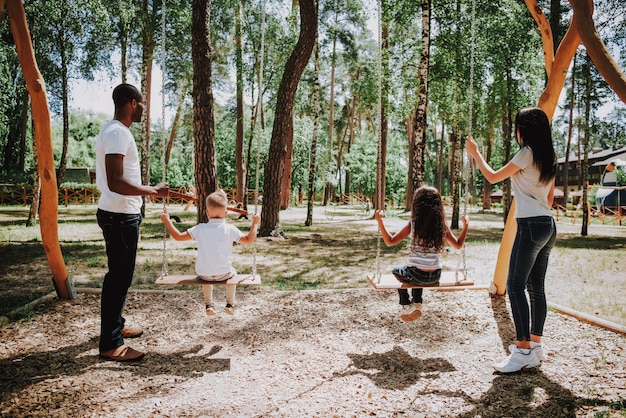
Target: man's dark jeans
[[121, 234]]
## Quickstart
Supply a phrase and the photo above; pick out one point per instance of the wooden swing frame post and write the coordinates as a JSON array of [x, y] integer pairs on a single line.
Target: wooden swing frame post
[[48, 211], [582, 29]]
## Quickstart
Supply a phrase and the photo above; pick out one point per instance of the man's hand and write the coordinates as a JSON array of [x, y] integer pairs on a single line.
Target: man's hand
[[162, 190]]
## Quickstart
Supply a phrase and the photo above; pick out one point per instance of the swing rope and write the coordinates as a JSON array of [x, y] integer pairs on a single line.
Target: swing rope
[[379, 180], [466, 166], [259, 131], [164, 271], [380, 162]]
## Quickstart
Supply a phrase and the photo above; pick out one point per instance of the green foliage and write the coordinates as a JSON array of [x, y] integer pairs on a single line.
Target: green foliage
[[620, 171], [508, 74], [84, 128]]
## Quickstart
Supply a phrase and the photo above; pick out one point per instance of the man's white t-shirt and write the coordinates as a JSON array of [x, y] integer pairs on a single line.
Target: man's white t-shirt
[[531, 197], [215, 246], [116, 138]]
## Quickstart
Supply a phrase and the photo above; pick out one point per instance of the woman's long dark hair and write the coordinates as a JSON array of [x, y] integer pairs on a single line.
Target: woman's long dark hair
[[428, 218], [534, 130]]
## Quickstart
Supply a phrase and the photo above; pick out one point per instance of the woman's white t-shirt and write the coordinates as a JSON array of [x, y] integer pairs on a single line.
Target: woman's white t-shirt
[[531, 196]]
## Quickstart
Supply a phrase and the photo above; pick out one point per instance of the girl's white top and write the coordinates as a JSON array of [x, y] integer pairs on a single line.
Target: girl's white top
[[531, 196]]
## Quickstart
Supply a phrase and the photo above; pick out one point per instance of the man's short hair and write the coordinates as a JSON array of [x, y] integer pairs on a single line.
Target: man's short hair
[[217, 199], [125, 93]]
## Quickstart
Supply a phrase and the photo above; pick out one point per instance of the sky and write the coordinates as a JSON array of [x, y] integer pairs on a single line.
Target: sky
[[95, 95]]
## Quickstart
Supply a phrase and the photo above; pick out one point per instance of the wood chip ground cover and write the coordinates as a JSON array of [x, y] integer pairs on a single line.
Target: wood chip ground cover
[[323, 353]]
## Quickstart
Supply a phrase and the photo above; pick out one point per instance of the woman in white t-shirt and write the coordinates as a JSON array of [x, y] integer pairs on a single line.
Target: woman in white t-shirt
[[532, 171]]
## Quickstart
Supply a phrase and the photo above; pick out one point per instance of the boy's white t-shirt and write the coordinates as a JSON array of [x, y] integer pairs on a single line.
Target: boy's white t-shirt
[[116, 138], [215, 246], [531, 196]]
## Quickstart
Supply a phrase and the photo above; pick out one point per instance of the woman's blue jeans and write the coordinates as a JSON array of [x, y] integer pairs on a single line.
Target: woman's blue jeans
[[527, 272], [121, 234]]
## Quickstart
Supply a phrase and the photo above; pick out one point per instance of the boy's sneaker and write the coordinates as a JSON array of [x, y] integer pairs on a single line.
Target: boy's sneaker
[[519, 359], [210, 310], [540, 352], [411, 312], [229, 309]]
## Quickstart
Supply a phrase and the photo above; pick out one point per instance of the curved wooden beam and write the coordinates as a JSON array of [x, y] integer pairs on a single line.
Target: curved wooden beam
[[547, 40], [599, 54], [48, 211], [549, 99]]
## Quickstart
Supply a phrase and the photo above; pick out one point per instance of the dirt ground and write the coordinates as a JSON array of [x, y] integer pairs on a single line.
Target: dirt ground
[[323, 353], [315, 353]]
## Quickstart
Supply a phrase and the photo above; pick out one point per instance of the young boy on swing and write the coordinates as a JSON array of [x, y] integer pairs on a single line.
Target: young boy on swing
[[429, 233], [215, 246]]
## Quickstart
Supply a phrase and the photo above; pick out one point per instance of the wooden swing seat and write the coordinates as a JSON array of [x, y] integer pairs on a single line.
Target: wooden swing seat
[[446, 283], [192, 279]]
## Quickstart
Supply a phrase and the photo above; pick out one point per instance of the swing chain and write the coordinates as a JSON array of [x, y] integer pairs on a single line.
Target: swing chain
[[379, 181], [466, 167], [164, 271], [259, 131]]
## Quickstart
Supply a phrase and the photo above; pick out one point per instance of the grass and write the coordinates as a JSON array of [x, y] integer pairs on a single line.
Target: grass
[[585, 273]]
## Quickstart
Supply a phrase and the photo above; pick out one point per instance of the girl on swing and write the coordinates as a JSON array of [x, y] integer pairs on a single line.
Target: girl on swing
[[428, 234]]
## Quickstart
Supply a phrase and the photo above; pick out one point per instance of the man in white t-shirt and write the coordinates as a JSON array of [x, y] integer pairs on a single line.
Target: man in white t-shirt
[[118, 177]]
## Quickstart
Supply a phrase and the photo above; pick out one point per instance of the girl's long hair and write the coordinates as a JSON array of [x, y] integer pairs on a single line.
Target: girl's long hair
[[534, 130], [428, 218]]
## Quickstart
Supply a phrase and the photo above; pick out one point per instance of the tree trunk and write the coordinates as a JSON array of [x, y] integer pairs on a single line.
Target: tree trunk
[[240, 161], [66, 117], [350, 130], [203, 122], [486, 185], [123, 42], [419, 120], [179, 110], [507, 129], [586, 145], [456, 184], [408, 198], [329, 189], [282, 131], [147, 58], [285, 183], [440, 155], [24, 123], [316, 126], [570, 129]]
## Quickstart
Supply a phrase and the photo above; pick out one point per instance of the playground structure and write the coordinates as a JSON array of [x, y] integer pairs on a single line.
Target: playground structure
[[611, 195], [582, 29]]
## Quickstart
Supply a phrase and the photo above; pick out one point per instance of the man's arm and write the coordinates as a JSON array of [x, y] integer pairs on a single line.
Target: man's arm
[[114, 164]]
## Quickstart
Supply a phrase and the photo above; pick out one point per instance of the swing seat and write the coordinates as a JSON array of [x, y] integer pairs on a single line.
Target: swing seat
[[192, 279], [446, 283]]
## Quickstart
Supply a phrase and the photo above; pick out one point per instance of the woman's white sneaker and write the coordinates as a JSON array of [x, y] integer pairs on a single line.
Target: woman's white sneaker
[[540, 352], [519, 359]]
